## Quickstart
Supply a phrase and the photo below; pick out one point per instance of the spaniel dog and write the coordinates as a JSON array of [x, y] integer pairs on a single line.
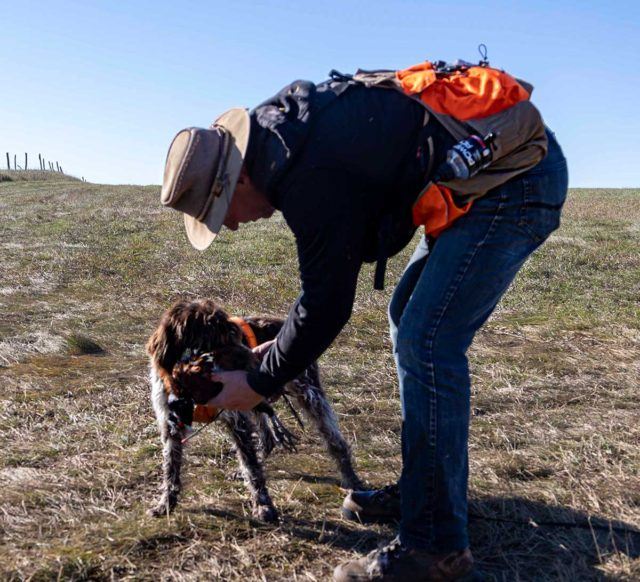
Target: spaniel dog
[[197, 338]]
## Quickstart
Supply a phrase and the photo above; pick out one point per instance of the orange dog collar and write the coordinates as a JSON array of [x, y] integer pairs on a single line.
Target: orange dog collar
[[246, 331]]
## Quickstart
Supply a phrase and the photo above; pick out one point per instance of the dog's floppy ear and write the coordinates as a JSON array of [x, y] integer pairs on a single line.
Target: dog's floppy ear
[[162, 345]]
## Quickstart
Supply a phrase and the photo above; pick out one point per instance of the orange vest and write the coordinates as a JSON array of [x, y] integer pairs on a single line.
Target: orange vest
[[464, 93]]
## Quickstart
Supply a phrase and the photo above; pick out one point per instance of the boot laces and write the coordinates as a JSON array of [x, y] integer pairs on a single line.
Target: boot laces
[[384, 557], [394, 548], [388, 491]]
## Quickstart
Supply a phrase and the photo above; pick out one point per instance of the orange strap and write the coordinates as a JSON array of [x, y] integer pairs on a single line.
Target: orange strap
[[471, 93], [246, 330], [204, 413], [436, 210]]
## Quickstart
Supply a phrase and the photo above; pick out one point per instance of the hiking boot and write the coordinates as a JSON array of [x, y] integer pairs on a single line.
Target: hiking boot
[[395, 563], [380, 505]]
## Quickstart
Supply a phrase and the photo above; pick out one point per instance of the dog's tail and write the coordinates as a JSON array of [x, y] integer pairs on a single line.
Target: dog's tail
[[281, 434]]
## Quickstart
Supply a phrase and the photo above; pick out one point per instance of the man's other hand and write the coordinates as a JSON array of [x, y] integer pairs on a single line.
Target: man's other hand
[[236, 393]]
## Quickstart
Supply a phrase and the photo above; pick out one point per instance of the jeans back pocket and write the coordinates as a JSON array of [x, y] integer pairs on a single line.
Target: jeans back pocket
[[544, 194]]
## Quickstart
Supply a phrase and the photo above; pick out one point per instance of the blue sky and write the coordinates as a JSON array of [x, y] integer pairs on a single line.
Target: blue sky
[[102, 87]]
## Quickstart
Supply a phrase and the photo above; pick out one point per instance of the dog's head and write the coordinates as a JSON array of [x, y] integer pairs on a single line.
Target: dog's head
[[193, 340], [199, 325]]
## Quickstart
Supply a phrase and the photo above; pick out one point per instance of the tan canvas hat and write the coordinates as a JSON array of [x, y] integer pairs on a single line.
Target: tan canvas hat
[[201, 173]]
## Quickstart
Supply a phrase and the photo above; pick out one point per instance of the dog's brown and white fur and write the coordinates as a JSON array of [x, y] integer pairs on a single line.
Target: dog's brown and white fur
[[202, 325]]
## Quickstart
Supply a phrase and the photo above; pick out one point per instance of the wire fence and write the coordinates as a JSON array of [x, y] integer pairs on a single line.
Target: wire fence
[[43, 164]]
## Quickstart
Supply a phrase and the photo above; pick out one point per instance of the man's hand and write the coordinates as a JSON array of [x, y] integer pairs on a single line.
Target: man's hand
[[236, 394], [262, 349]]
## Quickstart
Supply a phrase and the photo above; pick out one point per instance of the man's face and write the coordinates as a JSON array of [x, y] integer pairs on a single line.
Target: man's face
[[247, 204]]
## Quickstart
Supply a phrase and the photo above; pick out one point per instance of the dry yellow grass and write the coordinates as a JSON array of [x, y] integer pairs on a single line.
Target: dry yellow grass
[[555, 483]]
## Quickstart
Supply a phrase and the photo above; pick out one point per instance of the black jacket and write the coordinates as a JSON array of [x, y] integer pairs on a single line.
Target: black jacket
[[343, 163]]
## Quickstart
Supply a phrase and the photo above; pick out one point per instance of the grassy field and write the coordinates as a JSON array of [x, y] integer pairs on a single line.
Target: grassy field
[[555, 456]]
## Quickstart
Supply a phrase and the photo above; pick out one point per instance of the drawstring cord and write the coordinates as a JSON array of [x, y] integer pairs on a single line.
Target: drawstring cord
[[196, 432]]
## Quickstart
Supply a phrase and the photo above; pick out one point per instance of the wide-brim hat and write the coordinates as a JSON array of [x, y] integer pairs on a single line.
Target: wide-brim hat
[[201, 173]]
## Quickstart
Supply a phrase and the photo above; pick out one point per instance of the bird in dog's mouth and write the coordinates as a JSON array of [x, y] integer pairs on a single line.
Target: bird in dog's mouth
[[192, 376]]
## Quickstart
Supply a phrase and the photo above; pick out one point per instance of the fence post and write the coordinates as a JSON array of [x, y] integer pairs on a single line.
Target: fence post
[[57, 167], [61, 170], [15, 163], [26, 161], [8, 162]]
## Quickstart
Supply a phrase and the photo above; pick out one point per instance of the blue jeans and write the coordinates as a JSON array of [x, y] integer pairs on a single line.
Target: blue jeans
[[442, 299]]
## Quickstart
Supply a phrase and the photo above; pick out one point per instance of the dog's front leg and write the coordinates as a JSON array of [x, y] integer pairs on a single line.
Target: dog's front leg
[[243, 431], [311, 397], [171, 450], [171, 466]]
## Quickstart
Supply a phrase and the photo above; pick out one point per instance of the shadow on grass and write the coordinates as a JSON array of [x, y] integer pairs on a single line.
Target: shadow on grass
[[512, 539], [518, 539], [335, 533], [314, 479]]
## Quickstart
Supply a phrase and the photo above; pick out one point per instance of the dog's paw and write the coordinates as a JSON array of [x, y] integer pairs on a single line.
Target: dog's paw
[[157, 511], [161, 509], [266, 513]]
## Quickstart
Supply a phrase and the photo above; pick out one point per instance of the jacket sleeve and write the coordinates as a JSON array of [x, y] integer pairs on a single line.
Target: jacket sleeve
[[325, 210]]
